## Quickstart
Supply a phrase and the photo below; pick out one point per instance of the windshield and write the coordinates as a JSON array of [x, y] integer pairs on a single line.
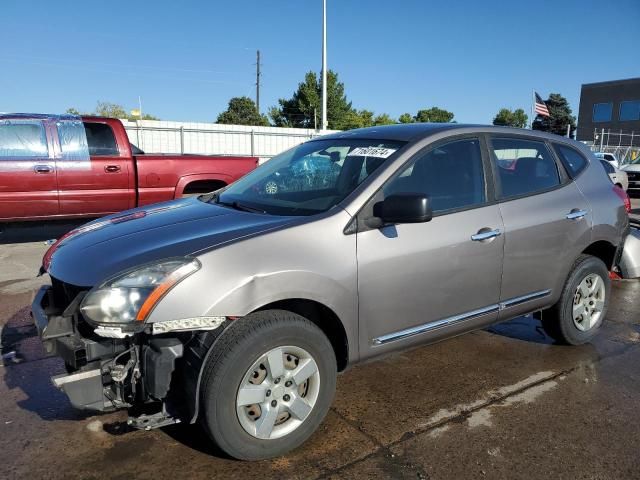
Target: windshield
[[635, 161], [308, 179]]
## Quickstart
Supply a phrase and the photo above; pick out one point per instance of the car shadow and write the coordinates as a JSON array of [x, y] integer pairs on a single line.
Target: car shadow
[[25, 368], [36, 231], [526, 328]]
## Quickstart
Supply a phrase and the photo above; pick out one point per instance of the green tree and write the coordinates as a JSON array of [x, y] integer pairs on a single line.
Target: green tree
[[303, 109], [242, 111], [511, 118], [108, 109], [434, 115], [113, 110], [560, 116], [383, 119], [405, 118]]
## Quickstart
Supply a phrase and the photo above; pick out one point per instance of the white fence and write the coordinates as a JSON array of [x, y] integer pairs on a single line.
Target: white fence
[[154, 136]]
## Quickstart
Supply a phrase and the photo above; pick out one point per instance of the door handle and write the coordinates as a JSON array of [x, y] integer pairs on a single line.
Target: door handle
[[43, 169], [486, 234], [112, 168], [576, 214]]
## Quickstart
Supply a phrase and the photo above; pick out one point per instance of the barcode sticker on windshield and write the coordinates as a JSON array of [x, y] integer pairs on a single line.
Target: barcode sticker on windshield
[[378, 152]]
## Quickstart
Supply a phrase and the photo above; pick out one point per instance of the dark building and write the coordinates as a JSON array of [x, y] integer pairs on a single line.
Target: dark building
[[613, 106]]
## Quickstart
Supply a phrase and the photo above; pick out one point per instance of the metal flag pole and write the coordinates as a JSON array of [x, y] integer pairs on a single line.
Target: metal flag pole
[[323, 124], [533, 103]]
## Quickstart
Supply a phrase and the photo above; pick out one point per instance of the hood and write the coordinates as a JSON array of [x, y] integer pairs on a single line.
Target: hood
[[100, 249], [631, 167]]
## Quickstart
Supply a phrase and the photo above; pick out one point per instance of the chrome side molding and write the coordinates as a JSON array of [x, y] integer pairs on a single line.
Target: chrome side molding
[[445, 322], [523, 299], [463, 317]]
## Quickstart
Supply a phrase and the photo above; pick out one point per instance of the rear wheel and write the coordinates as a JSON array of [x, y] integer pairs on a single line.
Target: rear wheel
[[268, 384], [581, 309]]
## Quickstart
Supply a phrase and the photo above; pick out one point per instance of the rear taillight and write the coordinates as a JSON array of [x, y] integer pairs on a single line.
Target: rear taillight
[[624, 197]]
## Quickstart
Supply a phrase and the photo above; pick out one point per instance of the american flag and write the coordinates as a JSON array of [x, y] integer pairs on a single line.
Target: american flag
[[541, 107]]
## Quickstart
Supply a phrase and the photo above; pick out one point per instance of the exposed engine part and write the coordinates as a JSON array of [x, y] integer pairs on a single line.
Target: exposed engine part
[[155, 420]]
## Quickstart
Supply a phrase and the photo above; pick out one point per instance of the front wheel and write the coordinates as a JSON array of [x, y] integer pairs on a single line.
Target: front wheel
[[581, 309], [267, 385]]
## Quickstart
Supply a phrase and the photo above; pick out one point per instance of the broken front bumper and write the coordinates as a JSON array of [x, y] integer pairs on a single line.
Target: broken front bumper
[[104, 373]]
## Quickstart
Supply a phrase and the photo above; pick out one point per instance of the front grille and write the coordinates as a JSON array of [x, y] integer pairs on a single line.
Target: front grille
[[633, 175]]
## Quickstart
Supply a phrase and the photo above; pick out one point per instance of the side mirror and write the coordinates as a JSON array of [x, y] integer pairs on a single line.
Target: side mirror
[[401, 208]]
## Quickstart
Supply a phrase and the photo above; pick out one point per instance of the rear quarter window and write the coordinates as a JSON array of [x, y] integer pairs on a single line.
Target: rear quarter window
[[573, 161], [607, 166]]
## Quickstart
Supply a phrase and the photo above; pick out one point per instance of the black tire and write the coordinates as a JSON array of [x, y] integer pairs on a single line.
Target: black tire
[[243, 343], [557, 321]]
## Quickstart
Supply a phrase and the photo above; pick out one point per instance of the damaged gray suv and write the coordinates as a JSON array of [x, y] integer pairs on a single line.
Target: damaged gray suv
[[238, 308]]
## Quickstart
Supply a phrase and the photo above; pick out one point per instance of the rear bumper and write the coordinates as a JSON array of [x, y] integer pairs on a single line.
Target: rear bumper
[[630, 260]]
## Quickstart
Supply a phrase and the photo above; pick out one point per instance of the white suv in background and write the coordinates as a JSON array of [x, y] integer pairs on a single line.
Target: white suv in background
[[618, 177], [632, 170], [609, 157]]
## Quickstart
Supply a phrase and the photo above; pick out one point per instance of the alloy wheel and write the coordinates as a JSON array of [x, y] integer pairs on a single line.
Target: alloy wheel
[[589, 302], [278, 392]]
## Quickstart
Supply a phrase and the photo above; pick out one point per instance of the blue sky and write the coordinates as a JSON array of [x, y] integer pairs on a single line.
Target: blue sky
[[187, 58]]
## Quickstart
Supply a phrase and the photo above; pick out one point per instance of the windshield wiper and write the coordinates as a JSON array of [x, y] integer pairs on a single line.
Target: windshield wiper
[[247, 208], [238, 206]]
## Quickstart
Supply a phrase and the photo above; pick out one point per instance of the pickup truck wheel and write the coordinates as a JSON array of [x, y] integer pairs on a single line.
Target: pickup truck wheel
[[581, 309], [268, 384]]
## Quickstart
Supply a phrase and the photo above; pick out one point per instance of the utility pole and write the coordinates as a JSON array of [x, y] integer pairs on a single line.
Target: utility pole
[[324, 65], [258, 81]]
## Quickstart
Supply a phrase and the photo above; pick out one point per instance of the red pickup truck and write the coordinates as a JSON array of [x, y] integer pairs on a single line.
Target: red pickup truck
[[62, 166]]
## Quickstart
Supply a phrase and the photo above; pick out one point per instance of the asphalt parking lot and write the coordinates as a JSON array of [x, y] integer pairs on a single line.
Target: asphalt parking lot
[[499, 403]]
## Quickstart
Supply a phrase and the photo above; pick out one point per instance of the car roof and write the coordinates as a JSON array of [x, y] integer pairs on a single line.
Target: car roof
[[409, 132]]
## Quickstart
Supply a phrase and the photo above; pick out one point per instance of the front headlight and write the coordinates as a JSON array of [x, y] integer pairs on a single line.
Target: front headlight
[[131, 296]]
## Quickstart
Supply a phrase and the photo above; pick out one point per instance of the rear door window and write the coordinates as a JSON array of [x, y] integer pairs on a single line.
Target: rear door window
[[73, 140], [524, 167], [22, 139], [100, 139]]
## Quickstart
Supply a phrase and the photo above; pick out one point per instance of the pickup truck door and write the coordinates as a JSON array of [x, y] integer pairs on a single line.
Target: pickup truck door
[[101, 183], [28, 187]]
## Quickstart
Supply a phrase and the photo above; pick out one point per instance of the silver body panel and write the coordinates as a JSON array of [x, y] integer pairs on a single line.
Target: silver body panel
[[391, 287], [409, 275], [630, 261]]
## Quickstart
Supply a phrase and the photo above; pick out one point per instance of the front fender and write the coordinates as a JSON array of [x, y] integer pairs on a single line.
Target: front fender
[[258, 290]]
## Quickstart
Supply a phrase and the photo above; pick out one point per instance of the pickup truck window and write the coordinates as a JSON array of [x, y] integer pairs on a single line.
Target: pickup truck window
[[22, 139], [100, 139], [73, 140]]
